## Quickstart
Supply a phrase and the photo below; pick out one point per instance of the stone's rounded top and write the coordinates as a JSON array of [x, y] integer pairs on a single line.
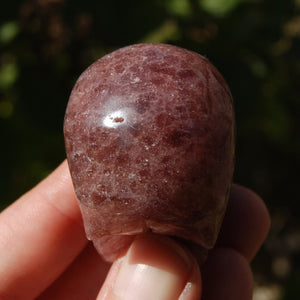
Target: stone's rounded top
[[149, 133]]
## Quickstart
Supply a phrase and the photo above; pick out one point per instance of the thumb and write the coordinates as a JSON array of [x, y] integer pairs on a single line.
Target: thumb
[[153, 267]]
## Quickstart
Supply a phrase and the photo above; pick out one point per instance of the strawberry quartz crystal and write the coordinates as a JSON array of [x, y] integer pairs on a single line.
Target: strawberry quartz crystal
[[149, 135]]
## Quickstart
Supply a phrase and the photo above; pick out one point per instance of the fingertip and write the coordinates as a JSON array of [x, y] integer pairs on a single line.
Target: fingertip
[[227, 275], [154, 267], [193, 287], [258, 205], [246, 222]]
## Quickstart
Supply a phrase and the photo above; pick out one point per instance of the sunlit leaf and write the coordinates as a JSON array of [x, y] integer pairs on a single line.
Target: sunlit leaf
[[219, 7], [167, 31], [177, 7], [8, 75], [8, 31]]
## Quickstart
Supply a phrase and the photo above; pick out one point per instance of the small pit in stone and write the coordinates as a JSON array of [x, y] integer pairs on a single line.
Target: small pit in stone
[[117, 119]]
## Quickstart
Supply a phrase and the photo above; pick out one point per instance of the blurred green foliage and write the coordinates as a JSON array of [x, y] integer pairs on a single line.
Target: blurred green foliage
[[45, 45]]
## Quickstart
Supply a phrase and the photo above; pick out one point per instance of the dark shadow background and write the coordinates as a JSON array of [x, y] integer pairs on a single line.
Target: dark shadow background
[[46, 44]]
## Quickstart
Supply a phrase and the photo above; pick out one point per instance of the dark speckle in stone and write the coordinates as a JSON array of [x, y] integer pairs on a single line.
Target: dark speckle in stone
[[142, 103], [176, 138]]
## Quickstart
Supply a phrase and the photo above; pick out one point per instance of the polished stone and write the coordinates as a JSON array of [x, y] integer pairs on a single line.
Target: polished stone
[[149, 134]]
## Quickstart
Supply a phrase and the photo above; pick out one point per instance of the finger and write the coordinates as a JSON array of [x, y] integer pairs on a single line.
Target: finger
[[41, 234], [154, 267], [246, 222], [226, 275], [82, 280]]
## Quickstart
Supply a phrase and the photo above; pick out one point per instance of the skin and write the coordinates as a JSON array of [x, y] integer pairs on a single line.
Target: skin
[[45, 254]]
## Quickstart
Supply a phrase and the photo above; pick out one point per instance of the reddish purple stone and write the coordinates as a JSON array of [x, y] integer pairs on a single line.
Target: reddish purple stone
[[149, 133]]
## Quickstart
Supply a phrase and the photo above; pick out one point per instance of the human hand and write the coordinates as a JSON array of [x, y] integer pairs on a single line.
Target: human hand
[[44, 253]]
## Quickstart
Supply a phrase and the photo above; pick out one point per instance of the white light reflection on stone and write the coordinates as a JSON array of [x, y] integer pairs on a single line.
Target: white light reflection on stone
[[114, 119]]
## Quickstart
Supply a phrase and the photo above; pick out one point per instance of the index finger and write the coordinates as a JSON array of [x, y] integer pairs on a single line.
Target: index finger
[[41, 234]]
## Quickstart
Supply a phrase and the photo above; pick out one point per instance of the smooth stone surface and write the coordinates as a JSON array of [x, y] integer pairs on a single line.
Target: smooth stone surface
[[149, 134]]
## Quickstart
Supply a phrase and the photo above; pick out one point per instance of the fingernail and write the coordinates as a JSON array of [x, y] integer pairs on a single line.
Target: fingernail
[[153, 268]]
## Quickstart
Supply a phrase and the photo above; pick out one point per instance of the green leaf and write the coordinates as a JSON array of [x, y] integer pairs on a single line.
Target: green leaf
[[166, 32], [8, 75], [219, 7], [8, 31], [177, 7]]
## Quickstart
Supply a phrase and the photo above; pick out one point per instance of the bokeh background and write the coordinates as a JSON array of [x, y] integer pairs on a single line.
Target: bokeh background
[[46, 44]]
